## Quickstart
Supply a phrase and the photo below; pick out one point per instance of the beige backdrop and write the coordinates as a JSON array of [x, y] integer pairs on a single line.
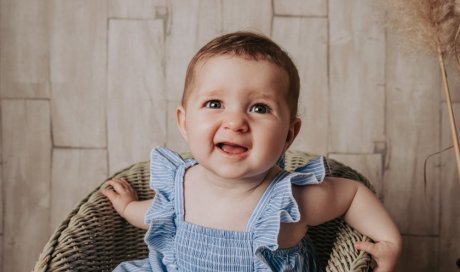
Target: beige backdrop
[[87, 87]]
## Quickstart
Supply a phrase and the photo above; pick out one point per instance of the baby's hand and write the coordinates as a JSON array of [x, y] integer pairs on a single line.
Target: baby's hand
[[120, 194], [385, 254]]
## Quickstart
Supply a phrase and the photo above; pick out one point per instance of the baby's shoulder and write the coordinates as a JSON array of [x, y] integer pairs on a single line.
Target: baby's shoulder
[[305, 194]]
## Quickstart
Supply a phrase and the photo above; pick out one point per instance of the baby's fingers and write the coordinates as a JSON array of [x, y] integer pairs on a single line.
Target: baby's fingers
[[109, 193], [119, 185], [368, 247], [372, 249], [119, 189]]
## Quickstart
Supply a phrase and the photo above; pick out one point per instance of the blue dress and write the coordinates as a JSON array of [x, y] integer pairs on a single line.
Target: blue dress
[[176, 245]]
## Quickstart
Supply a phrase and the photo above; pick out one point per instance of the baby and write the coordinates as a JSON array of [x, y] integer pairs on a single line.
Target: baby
[[233, 207]]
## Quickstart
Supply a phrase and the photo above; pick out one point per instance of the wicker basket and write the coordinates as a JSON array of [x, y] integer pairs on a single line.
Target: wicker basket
[[94, 237]]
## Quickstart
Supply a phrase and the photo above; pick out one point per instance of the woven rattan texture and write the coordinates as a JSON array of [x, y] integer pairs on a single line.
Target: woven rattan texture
[[95, 238]]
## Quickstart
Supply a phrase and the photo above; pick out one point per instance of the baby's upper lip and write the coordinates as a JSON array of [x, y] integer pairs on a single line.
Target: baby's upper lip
[[221, 143]]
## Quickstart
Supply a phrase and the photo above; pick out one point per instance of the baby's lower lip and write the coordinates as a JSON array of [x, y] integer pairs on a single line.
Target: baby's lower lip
[[232, 149]]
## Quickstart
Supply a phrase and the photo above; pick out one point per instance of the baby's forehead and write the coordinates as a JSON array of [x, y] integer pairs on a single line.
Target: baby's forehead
[[230, 65]]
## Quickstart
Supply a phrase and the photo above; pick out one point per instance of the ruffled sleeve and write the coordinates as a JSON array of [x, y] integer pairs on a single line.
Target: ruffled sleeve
[[313, 172], [279, 206], [164, 167]]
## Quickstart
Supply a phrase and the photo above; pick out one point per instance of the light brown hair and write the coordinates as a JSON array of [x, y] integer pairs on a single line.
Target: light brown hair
[[252, 46]]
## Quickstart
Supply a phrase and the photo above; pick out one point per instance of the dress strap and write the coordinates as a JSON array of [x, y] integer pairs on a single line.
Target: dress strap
[[179, 190], [166, 169]]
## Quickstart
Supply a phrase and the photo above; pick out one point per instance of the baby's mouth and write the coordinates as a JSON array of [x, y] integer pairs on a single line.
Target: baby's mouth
[[231, 148]]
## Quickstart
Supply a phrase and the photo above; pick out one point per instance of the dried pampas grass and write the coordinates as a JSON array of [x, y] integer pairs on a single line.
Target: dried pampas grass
[[432, 26], [426, 25]]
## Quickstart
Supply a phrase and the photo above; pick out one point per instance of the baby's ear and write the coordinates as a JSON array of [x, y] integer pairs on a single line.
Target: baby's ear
[[180, 121], [294, 129]]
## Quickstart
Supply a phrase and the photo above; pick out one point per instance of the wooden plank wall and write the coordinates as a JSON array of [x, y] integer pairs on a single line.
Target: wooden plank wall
[[87, 87]]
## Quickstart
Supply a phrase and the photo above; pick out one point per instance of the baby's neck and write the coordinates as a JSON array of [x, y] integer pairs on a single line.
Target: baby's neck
[[236, 187]]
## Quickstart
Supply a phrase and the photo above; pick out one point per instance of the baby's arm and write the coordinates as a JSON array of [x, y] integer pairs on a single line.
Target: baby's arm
[[361, 209], [367, 214], [124, 200]]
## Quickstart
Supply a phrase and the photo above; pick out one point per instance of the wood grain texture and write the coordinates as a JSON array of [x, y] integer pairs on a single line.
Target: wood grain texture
[[1, 198], [412, 121], [190, 25], [1, 252], [449, 247], [136, 94], [238, 15], [305, 39], [78, 72], [357, 70], [454, 80], [75, 173], [24, 46], [419, 254], [1, 180], [137, 9], [369, 165], [26, 181], [300, 7]]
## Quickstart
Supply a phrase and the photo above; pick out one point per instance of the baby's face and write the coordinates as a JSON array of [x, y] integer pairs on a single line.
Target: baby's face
[[236, 120]]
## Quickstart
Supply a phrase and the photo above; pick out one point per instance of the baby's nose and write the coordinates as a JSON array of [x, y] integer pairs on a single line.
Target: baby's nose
[[236, 122]]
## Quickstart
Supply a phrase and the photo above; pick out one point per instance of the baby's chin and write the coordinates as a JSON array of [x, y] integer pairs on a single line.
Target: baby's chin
[[241, 173]]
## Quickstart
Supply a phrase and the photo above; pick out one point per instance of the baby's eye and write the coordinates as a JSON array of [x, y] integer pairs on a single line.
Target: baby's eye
[[214, 104], [260, 108]]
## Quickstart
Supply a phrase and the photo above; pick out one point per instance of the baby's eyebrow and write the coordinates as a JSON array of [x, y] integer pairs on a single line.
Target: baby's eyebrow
[[262, 95], [214, 92]]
